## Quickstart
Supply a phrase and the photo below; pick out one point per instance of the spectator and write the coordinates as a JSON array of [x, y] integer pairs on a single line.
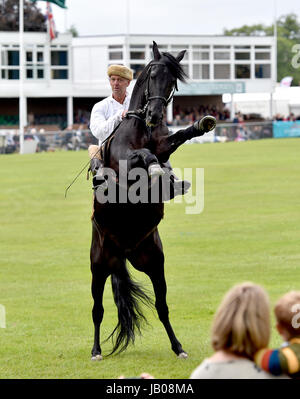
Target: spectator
[[10, 145], [236, 118], [285, 360], [241, 327], [279, 117], [241, 134], [291, 117]]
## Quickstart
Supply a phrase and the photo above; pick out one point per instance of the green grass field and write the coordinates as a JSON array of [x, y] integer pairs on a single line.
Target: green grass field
[[249, 230]]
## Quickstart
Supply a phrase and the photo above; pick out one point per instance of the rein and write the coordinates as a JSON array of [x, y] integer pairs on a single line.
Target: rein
[[138, 114]]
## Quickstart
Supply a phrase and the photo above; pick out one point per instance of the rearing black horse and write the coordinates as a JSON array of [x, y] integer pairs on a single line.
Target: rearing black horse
[[128, 231]]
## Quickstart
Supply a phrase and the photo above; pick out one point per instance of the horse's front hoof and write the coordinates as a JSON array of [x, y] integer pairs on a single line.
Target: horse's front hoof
[[97, 358], [183, 355], [206, 124]]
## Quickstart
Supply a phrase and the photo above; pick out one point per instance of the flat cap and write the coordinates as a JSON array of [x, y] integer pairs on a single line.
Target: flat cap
[[120, 70]]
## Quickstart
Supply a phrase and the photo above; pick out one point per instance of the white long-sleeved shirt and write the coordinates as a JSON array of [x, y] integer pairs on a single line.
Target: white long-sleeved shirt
[[106, 115]]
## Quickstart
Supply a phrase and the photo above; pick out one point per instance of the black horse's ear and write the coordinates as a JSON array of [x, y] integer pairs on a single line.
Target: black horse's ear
[[180, 55], [156, 52]]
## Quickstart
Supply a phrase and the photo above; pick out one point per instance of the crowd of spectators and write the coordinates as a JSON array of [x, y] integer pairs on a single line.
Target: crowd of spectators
[[187, 116], [74, 137], [77, 136], [291, 117]]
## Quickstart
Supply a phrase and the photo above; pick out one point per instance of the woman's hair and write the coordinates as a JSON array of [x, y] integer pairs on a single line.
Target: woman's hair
[[242, 322]]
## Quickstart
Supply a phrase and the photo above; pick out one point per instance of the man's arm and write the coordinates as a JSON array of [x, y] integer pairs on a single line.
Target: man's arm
[[99, 125]]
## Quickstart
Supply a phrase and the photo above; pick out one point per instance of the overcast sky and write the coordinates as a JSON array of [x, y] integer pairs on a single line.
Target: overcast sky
[[98, 17]]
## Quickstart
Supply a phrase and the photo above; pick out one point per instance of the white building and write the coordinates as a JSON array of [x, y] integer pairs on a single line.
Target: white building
[[69, 74]]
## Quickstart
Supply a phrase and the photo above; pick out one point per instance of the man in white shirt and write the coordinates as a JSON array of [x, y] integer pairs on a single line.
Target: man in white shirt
[[105, 117], [108, 113]]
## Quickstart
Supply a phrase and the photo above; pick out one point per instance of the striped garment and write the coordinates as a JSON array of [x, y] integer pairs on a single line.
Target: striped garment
[[284, 360]]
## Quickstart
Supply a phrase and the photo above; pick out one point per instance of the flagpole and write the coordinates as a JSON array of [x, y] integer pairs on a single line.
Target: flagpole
[[127, 51], [21, 76], [48, 40], [275, 63], [66, 21], [275, 37]]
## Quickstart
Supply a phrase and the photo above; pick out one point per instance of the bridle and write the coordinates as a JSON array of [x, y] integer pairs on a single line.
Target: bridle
[[166, 101], [163, 99]]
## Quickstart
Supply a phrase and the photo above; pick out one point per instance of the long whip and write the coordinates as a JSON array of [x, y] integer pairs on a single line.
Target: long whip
[[73, 181]]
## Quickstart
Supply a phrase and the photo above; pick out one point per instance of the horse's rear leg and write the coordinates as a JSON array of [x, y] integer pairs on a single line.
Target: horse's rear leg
[[160, 288], [98, 283], [100, 272], [149, 258]]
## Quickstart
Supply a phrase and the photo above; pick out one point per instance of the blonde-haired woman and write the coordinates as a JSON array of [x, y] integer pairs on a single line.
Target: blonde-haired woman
[[240, 328]]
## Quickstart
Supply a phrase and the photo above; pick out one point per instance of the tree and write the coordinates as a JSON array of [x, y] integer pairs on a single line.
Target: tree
[[288, 34], [250, 30], [73, 30], [34, 20]]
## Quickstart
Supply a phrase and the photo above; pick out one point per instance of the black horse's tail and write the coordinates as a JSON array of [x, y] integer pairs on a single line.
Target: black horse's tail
[[128, 295]]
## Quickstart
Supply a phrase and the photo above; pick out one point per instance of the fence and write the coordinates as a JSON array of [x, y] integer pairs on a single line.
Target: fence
[[76, 140], [47, 141], [234, 132]]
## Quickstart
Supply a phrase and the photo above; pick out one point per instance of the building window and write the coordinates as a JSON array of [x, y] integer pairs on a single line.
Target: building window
[[262, 56], [59, 74], [34, 59], [10, 64], [59, 58], [242, 71], [137, 55], [29, 73], [59, 62], [222, 71], [200, 46], [185, 68], [13, 57], [40, 73], [115, 52], [115, 55], [40, 65], [137, 69], [262, 47], [180, 46], [176, 48], [201, 71], [222, 55], [263, 71], [242, 47], [29, 56], [137, 52], [242, 56], [200, 55], [40, 56], [163, 47]]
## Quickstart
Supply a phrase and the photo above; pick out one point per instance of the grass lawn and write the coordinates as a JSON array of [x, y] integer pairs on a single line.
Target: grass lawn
[[248, 230]]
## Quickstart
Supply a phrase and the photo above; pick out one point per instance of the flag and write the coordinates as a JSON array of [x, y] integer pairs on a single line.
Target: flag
[[51, 23], [59, 3], [286, 82]]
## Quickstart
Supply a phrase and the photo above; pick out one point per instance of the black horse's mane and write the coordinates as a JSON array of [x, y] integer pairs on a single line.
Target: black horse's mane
[[172, 64], [175, 67]]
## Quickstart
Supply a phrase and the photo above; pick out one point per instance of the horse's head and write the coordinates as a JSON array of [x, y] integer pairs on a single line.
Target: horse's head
[[163, 73]]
